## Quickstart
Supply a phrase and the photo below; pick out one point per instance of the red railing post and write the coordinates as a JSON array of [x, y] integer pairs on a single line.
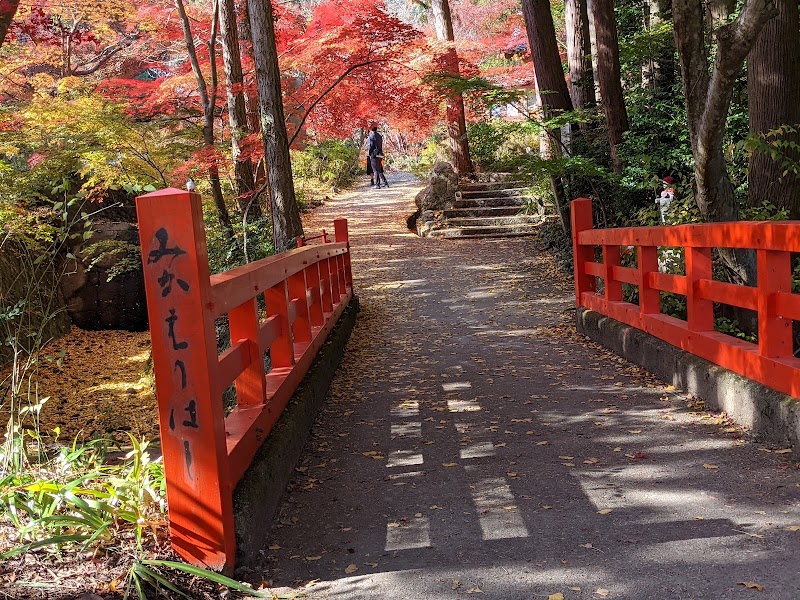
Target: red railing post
[[774, 275], [325, 286], [649, 298], [298, 293], [191, 421], [342, 235], [281, 351], [699, 312], [581, 221], [611, 259], [315, 316], [251, 385]]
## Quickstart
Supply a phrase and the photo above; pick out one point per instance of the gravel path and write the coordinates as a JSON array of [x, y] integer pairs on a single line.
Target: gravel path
[[473, 446]]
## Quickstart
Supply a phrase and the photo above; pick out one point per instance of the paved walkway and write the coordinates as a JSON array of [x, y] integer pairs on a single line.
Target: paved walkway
[[473, 446]]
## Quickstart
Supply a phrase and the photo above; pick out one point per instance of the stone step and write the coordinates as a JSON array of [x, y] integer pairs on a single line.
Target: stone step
[[504, 202], [494, 231], [494, 193], [494, 221], [491, 185], [498, 211]]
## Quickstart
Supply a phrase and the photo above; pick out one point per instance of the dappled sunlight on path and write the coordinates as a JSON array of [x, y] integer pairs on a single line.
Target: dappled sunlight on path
[[472, 444]]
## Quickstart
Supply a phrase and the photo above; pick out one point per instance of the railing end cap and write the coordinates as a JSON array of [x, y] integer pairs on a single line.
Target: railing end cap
[[165, 192]]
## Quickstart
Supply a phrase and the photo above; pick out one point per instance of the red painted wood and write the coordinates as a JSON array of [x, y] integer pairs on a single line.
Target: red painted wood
[[594, 269], [666, 282], [250, 384], [699, 311], [728, 293], [205, 454], [199, 485], [649, 296], [301, 326], [581, 220], [771, 362], [625, 275], [766, 235], [611, 261], [774, 276]]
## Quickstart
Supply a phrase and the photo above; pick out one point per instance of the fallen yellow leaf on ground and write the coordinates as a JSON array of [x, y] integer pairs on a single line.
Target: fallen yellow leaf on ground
[[558, 596], [601, 592], [604, 511], [351, 569], [708, 466], [750, 585]]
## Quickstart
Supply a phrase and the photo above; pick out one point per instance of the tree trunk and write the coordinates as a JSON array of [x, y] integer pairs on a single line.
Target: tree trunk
[[708, 96], [8, 10], [551, 86], [456, 121], [208, 102], [546, 60], [286, 224], [773, 91], [608, 75], [658, 72], [237, 112], [579, 54]]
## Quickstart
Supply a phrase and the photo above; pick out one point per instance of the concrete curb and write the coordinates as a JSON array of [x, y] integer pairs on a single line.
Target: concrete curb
[[768, 414], [258, 494]]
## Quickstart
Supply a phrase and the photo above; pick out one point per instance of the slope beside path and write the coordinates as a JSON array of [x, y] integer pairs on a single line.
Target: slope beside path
[[473, 446]]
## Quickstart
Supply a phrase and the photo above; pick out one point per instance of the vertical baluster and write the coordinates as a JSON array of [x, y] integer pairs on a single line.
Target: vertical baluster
[[281, 351], [582, 221], [251, 385], [774, 275], [611, 259], [649, 298], [700, 312]]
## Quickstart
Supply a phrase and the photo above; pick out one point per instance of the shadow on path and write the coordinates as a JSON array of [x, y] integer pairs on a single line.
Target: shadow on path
[[472, 446]]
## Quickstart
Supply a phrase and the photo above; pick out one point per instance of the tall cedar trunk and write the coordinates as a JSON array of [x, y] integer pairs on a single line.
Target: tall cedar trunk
[[708, 96], [593, 41], [237, 112], [550, 85], [8, 10], [773, 91], [579, 54], [456, 121], [608, 75], [251, 92], [546, 60], [658, 72], [208, 103], [286, 224]]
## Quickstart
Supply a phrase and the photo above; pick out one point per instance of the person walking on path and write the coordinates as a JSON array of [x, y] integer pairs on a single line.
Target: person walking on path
[[375, 156]]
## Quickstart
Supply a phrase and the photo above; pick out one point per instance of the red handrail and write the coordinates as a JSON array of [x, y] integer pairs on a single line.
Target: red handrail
[[206, 453], [770, 362]]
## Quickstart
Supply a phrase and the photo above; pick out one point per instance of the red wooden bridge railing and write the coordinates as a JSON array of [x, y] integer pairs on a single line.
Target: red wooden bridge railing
[[770, 362], [205, 452]]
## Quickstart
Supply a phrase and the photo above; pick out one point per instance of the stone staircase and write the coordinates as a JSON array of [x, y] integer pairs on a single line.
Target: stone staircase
[[491, 209]]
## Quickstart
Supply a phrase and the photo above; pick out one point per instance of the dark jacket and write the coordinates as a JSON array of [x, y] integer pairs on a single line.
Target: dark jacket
[[375, 147]]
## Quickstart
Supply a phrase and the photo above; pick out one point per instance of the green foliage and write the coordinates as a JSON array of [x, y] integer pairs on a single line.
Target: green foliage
[[122, 257], [84, 500], [331, 162], [499, 145], [83, 138]]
